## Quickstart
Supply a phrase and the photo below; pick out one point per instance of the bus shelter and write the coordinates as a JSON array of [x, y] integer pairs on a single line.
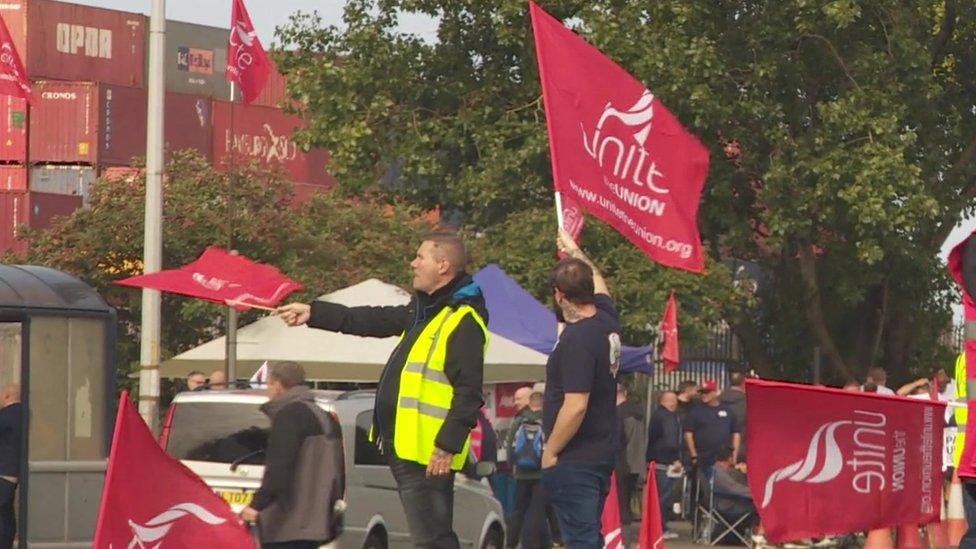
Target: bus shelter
[[57, 341]]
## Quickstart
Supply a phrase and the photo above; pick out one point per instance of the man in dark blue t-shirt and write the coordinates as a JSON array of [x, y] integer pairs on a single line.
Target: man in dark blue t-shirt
[[710, 427], [580, 410]]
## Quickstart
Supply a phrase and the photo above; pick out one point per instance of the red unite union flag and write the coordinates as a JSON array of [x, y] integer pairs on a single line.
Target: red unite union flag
[[247, 62], [610, 525], [153, 500], [13, 77], [827, 461], [617, 151], [223, 278]]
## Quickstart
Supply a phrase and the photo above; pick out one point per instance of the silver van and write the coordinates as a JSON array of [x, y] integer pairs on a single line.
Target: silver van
[[221, 436]]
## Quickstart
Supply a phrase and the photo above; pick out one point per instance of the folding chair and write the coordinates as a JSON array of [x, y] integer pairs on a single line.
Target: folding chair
[[711, 526]]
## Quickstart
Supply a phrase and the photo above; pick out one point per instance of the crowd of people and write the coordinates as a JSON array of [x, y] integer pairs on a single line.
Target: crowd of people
[[568, 437], [696, 429]]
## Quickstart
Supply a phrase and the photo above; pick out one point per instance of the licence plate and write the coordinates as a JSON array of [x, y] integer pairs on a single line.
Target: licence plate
[[236, 497]]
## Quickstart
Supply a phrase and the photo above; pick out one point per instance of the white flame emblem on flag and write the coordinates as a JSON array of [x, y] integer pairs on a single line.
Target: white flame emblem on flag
[[244, 36], [802, 471], [157, 527], [627, 162]]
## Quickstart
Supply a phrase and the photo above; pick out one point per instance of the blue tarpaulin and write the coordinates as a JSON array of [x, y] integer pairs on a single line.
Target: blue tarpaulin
[[514, 314]]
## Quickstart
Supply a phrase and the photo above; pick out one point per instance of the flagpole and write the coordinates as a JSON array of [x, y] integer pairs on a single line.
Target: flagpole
[[559, 209], [231, 343], [149, 352]]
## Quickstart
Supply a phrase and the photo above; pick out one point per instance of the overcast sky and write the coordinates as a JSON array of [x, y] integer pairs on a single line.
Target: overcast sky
[[266, 14]]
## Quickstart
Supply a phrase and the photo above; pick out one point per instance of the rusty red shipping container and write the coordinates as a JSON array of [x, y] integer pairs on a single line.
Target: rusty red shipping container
[[264, 134], [30, 209], [73, 42], [85, 122], [14, 212], [13, 129], [13, 177], [275, 91], [45, 207], [188, 125], [105, 125]]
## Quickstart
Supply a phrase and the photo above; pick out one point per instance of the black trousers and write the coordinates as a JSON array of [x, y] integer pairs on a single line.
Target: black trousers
[[8, 522], [529, 518], [428, 504], [625, 492]]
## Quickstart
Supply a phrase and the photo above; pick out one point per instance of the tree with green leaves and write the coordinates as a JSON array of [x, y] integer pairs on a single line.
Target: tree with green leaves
[[841, 133], [329, 243]]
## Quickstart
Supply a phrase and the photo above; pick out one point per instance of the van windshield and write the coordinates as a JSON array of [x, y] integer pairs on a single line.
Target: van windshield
[[221, 432]]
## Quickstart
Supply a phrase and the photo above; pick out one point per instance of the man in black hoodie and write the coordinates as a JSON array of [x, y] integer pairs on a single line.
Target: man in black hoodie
[[297, 505], [429, 393]]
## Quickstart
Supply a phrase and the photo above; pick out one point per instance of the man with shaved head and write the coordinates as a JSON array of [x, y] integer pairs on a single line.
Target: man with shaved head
[[522, 395], [11, 416], [218, 380], [664, 446], [429, 392]]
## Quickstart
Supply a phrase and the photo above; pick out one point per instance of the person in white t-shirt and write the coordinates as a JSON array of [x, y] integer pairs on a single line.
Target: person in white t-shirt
[[878, 376], [919, 389]]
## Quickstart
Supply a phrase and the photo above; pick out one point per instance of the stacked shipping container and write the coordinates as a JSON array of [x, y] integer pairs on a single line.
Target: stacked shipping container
[[264, 135], [72, 42], [88, 66], [73, 122]]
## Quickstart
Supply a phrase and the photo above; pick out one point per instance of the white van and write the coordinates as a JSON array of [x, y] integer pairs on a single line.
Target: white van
[[221, 436]]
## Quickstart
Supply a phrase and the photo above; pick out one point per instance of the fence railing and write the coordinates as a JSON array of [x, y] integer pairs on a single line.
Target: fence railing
[[720, 355]]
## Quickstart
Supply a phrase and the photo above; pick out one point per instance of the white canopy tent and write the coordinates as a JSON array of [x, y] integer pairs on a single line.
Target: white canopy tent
[[332, 356]]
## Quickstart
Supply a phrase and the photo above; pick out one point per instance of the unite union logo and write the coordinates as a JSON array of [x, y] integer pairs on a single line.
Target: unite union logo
[[874, 455], [156, 528]]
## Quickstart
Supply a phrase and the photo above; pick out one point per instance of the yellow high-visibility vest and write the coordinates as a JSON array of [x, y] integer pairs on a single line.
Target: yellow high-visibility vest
[[425, 391], [961, 413]]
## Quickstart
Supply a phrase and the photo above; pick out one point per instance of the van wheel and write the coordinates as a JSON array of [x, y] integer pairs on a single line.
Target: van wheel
[[493, 539], [374, 541]]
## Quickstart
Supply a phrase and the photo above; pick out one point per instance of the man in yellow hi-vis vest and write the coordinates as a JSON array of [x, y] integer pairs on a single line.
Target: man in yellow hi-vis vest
[[960, 413], [962, 267], [429, 393]]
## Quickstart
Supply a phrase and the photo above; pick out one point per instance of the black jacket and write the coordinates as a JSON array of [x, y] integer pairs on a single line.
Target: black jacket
[[664, 437], [291, 423], [10, 430], [304, 474], [630, 458], [464, 362]]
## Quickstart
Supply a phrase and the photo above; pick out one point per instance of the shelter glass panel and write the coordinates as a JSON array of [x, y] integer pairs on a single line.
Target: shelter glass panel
[[86, 389], [49, 365], [10, 351]]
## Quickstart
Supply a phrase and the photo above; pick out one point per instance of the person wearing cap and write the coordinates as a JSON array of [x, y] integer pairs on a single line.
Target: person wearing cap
[[709, 428]]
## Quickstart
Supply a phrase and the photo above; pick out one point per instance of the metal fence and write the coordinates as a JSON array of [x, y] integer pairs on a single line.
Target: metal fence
[[719, 356]]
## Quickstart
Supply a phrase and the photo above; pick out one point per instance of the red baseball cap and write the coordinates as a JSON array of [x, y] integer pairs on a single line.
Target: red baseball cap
[[708, 386]]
